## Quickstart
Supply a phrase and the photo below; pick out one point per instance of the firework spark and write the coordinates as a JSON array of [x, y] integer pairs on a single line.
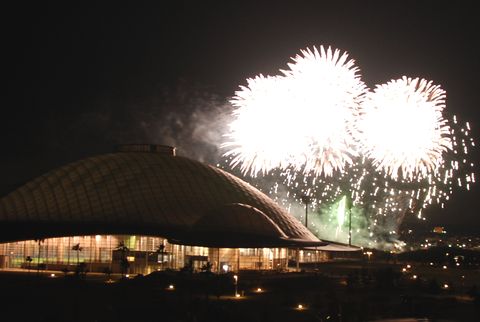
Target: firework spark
[[379, 201], [392, 150], [303, 118], [262, 109], [402, 127]]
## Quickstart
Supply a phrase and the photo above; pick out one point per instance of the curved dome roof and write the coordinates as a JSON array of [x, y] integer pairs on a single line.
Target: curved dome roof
[[156, 194]]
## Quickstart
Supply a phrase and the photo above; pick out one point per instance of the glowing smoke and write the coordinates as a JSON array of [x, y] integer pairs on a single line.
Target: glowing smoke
[[379, 202], [189, 116]]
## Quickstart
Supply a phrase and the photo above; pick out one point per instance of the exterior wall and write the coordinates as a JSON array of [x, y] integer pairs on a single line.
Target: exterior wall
[[309, 256], [100, 253]]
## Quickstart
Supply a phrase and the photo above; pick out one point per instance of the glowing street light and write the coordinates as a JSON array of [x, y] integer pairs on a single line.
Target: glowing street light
[[235, 279], [369, 253]]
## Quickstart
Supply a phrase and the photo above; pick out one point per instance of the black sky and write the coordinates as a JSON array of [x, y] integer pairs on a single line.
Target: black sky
[[88, 61]]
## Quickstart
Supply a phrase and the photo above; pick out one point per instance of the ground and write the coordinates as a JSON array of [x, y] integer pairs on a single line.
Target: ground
[[354, 291]]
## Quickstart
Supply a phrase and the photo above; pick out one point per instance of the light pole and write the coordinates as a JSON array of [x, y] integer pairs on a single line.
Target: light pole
[[306, 201], [349, 226], [235, 281], [348, 208], [369, 253]]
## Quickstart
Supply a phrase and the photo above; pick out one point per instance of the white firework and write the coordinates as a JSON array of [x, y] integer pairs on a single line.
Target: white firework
[[261, 130], [402, 128], [392, 151], [303, 118]]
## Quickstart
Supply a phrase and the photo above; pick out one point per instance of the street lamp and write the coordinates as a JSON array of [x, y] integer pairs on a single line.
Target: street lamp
[[235, 279], [369, 253], [349, 226]]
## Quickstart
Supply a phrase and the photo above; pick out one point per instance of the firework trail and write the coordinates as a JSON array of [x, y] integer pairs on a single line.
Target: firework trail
[[379, 202]]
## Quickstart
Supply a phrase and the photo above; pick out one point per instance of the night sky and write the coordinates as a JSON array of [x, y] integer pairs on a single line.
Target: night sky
[[87, 77]]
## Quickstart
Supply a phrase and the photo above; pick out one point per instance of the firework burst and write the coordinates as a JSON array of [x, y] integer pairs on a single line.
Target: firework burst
[[302, 119], [402, 128], [392, 150], [261, 111]]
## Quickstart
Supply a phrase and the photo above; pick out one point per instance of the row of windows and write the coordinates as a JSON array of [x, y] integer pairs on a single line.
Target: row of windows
[[100, 249]]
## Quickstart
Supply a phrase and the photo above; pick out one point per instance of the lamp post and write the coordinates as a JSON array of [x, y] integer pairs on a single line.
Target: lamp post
[[369, 253], [306, 201], [348, 208], [349, 226], [235, 281]]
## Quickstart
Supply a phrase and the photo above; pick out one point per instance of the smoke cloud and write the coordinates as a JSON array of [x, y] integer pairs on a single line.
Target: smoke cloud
[[190, 117]]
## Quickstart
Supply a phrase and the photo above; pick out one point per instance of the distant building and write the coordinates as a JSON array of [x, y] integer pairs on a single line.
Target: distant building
[[150, 207], [439, 230]]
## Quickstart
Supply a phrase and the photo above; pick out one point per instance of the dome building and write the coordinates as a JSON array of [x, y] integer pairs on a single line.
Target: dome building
[[147, 205]]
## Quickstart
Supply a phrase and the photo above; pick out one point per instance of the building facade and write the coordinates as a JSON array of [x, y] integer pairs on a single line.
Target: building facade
[[148, 207], [104, 253]]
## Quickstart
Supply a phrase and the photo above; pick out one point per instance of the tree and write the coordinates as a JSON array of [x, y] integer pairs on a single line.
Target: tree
[[161, 250], [207, 268], [124, 264], [39, 241], [29, 260], [78, 249], [80, 268]]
